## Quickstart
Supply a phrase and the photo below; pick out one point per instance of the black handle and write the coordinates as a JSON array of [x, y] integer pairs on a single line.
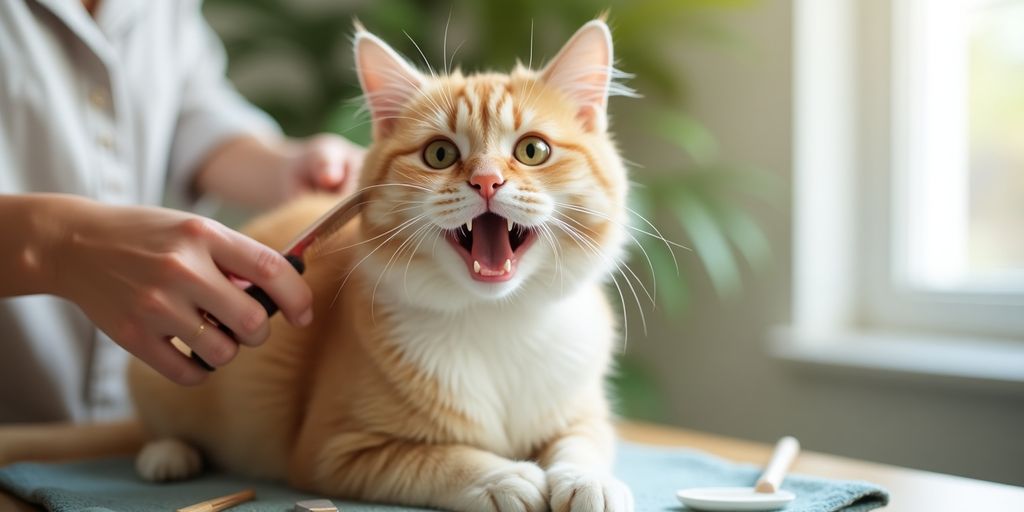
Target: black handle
[[261, 296]]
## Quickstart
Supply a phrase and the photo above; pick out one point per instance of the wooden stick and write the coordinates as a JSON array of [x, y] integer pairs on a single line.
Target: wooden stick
[[221, 503], [785, 451]]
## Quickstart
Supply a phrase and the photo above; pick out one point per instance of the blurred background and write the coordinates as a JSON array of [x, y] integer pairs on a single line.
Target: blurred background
[[847, 178]]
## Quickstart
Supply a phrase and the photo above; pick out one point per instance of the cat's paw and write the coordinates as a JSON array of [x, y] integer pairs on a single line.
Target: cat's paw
[[517, 487], [578, 489], [168, 459]]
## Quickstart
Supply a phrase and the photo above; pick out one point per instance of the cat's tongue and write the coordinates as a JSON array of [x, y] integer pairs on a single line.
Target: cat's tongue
[[491, 246]]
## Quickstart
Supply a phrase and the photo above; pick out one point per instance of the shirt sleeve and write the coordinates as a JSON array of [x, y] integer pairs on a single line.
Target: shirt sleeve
[[212, 111]]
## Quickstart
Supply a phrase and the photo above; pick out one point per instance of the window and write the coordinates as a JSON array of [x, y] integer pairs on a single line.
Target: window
[[909, 179], [951, 259], [959, 144]]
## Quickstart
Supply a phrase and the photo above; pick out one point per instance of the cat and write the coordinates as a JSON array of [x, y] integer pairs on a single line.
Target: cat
[[462, 336]]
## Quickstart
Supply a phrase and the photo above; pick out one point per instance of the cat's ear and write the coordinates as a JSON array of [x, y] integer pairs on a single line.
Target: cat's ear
[[388, 80], [583, 71]]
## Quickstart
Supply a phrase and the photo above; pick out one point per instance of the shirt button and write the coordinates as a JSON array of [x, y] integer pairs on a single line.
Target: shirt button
[[105, 141], [98, 98]]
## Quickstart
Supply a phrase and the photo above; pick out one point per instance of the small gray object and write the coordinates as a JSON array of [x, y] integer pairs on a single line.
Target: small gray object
[[315, 506]]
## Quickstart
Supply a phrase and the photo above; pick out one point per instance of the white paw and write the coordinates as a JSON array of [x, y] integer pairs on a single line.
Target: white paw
[[518, 487], [578, 489], [168, 459]]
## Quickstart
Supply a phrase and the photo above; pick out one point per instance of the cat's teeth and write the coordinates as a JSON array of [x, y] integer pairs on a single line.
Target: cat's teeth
[[510, 224], [469, 226], [476, 266], [508, 265]]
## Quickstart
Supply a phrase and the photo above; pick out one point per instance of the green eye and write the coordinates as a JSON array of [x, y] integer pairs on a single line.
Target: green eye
[[532, 150], [440, 154]]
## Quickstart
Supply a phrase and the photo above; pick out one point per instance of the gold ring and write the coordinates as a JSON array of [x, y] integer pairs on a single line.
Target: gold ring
[[200, 330]]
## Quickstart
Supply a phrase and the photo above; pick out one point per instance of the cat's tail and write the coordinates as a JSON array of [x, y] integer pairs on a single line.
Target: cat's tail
[[68, 441]]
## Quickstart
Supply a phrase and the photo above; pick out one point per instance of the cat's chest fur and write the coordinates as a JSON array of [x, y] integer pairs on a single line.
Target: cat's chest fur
[[519, 373]]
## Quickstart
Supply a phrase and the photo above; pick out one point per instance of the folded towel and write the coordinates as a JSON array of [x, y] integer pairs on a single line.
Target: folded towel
[[654, 474]]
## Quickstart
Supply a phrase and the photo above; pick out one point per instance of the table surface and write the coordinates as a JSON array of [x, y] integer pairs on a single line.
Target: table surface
[[911, 490]]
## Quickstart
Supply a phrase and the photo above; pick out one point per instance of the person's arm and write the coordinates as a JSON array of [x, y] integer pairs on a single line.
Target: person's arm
[[144, 274], [27, 240], [266, 171], [224, 146]]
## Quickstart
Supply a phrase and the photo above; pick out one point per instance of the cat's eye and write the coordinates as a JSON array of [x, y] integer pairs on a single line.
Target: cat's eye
[[532, 150], [440, 154]]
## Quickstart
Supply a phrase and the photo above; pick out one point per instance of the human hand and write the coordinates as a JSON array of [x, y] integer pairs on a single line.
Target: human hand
[[143, 275], [326, 163]]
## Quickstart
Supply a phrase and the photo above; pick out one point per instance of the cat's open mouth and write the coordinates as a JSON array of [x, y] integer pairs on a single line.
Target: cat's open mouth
[[491, 246]]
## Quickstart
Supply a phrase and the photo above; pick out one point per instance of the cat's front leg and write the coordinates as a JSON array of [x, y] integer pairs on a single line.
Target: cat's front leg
[[375, 467], [578, 464]]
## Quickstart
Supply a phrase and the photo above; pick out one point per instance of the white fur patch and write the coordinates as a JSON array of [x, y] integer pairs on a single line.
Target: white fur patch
[[517, 369], [518, 487], [166, 460], [576, 489]]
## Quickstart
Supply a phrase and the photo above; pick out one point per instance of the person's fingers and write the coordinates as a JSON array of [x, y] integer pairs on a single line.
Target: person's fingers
[[184, 320], [250, 260], [160, 354], [203, 337], [234, 308]]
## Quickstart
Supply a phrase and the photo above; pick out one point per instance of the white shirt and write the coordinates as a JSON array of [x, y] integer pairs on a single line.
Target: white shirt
[[121, 108]]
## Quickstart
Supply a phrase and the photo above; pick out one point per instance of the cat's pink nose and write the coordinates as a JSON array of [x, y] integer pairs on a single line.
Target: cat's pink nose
[[486, 183]]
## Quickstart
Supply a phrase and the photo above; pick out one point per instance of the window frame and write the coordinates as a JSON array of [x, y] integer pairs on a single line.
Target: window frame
[[852, 165], [890, 298]]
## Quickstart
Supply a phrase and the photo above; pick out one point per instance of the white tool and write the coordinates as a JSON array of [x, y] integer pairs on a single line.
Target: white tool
[[765, 495]]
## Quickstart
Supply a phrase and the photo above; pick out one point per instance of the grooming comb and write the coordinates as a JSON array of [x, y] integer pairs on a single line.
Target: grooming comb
[[328, 224]]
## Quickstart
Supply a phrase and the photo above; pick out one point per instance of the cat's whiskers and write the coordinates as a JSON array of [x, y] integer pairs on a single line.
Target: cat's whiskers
[[618, 261], [402, 210], [379, 185], [444, 43], [373, 294], [412, 254], [662, 237], [454, 53], [423, 180], [650, 264], [425, 61], [588, 242], [530, 65], [422, 123], [668, 243], [575, 81], [390, 97], [401, 227], [452, 213], [416, 87], [622, 299], [339, 249], [556, 245], [397, 108], [621, 266]]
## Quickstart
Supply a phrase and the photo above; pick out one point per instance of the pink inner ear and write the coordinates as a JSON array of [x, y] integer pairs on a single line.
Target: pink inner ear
[[388, 82], [590, 118], [582, 70]]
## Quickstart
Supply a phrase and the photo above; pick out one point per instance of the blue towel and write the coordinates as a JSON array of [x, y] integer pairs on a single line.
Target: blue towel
[[654, 474]]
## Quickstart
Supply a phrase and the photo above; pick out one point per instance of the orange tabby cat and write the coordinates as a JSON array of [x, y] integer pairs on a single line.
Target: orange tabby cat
[[462, 337]]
